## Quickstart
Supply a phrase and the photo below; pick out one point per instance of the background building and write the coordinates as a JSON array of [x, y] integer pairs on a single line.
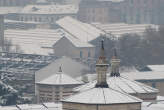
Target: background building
[[13, 3], [143, 11], [103, 11], [1, 31], [47, 13]]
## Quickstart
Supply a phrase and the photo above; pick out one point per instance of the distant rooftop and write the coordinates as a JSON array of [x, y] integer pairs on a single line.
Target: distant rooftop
[[156, 67], [33, 41], [82, 31], [119, 29], [6, 10], [149, 75], [40, 41], [88, 32], [50, 9]]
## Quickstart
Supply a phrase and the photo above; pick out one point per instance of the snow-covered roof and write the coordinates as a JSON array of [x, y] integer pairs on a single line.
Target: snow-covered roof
[[111, 0], [106, 0], [8, 108], [160, 98], [50, 9], [156, 67], [59, 78], [82, 31], [121, 84], [43, 106], [32, 41], [88, 32], [118, 29], [149, 75], [6, 10], [72, 68], [31, 107], [76, 42], [102, 96], [40, 41], [53, 106], [152, 106]]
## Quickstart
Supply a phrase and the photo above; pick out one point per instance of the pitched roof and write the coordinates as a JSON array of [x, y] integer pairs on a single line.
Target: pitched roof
[[82, 31], [76, 42], [119, 29], [59, 78], [102, 96], [32, 41], [156, 67], [149, 75], [40, 41], [121, 84]]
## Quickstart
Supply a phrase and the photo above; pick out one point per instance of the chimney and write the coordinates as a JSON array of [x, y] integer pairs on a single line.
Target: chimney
[[101, 68]]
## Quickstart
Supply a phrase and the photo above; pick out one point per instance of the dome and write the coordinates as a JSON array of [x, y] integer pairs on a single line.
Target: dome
[[60, 78], [102, 96], [121, 84]]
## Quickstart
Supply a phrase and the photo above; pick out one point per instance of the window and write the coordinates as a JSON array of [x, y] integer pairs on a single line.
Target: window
[[40, 19], [81, 54], [89, 54], [154, 85]]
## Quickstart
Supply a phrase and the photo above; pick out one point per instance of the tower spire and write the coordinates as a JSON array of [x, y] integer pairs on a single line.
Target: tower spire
[[115, 63], [101, 68]]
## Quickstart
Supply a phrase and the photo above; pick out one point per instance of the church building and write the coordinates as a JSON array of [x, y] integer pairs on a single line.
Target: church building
[[101, 96], [123, 84]]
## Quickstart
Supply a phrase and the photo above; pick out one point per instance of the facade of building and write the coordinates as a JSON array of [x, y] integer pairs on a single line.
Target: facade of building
[[101, 96], [47, 13], [73, 49], [143, 11], [1, 31], [55, 87], [104, 11]]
